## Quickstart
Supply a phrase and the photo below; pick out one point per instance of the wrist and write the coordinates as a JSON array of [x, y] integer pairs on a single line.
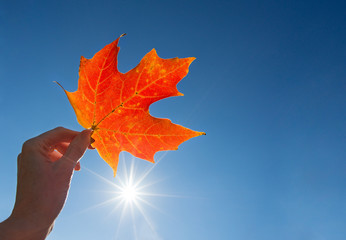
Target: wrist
[[20, 229]]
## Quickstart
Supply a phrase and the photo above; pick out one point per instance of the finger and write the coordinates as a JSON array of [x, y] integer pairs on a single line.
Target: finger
[[19, 160], [54, 156], [58, 135], [77, 167], [76, 149], [61, 147], [91, 142]]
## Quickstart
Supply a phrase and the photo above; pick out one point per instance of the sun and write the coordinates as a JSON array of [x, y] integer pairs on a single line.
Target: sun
[[129, 193]]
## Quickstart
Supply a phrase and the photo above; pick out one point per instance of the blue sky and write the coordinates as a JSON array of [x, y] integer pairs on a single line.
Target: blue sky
[[268, 87]]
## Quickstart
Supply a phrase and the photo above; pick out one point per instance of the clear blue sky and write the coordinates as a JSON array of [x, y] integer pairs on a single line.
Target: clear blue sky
[[268, 87]]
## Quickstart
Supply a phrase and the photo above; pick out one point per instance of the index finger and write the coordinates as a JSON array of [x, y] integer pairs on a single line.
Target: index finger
[[57, 135], [75, 150]]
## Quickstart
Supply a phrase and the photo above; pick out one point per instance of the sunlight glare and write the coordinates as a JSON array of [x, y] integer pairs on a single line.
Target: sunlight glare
[[129, 193]]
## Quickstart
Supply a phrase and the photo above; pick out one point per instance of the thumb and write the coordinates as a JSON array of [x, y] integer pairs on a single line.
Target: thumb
[[76, 149]]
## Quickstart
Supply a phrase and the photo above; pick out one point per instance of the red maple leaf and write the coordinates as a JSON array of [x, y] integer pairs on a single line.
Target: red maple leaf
[[116, 105]]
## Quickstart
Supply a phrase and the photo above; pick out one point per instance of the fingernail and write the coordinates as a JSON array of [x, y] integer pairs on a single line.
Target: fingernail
[[91, 147], [87, 131]]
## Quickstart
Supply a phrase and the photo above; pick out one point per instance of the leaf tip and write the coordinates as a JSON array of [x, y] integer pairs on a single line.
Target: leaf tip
[[191, 59], [59, 85], [114, 166], [124, 34], [201, 133], [151, 159]]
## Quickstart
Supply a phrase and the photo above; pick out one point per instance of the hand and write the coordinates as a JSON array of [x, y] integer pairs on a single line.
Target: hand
[[45, 168]]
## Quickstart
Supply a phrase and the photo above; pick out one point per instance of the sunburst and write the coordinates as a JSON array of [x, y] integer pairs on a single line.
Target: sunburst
[[131, 193]]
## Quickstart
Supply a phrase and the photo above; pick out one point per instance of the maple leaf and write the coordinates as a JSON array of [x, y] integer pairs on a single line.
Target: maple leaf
[[116, 105]]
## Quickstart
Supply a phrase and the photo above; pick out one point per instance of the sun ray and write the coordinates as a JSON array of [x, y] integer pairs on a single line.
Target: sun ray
[[162, 195], [103, 178], [150, 205], [133, 223], [120, 221], [104, 203], [148, 221], [132, 194], [142, 178]]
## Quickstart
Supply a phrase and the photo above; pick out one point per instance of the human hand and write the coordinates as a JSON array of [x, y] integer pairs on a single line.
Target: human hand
[[45, 168]]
